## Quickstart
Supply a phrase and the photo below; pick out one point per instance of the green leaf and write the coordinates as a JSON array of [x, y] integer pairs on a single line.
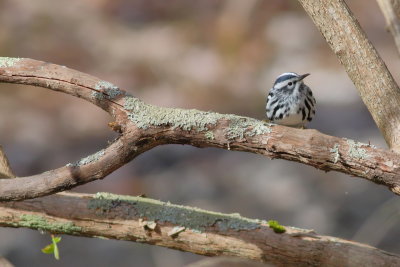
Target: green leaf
[[49, 249], [276, 227], [53, 248], [55, 240]]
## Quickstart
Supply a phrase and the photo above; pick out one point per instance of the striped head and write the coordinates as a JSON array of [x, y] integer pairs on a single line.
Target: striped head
[[288, 81]]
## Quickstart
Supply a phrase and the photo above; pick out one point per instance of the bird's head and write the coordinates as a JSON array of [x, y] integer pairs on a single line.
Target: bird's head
[[288, 81]]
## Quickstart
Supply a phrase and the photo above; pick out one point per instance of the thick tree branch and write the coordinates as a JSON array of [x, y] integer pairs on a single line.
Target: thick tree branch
[[144, 126], [189, 229], [365, 68], [392, 18]]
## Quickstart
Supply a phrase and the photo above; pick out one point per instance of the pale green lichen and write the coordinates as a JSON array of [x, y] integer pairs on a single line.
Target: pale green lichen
[[145, 116], [335, 151], [356, 150], [238, 127], [106, 90], [259, 127], [87, 159], [155, 210], [6, 62], [209, 135], [40, 223]]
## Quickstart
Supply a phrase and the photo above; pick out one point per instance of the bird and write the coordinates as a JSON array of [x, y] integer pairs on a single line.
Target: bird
[[290, 102]]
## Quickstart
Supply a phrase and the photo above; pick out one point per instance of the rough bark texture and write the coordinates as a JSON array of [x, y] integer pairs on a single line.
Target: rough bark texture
[[189, 229], [365, 68], [144, 126], [392, 18]]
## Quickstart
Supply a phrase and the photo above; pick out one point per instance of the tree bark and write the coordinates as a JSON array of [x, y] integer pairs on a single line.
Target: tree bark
[[189, 229], [388, 8], [362, 63], [144, 126]]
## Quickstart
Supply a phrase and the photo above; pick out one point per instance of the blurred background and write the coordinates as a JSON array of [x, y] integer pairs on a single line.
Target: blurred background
[[209, 55]]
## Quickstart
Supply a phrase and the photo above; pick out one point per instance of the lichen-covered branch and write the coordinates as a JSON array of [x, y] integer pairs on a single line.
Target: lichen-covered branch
[[143, 126], [388, 8], [362, 63], [185, 228]]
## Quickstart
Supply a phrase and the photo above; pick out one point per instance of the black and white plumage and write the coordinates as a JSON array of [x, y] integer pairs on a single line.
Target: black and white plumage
[[290, 102]]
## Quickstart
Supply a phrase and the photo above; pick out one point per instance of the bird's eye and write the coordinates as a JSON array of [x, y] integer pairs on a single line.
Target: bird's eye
[[290, 84]]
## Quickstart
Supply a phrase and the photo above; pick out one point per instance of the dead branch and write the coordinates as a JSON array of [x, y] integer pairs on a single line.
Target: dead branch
[[185, 228], [144, 126], [362, 63], [388, 8]]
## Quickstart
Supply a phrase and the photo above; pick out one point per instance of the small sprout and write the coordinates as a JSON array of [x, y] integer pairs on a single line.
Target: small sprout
[[176, 231], [53, 248], [276, 227]]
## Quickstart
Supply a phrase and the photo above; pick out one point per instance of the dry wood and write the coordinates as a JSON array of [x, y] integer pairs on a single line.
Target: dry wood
[[203, 232], [144, 126], [388, 8], [362, 63]]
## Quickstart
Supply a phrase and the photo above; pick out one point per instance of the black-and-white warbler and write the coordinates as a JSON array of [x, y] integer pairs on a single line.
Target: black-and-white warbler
[[290, 102]]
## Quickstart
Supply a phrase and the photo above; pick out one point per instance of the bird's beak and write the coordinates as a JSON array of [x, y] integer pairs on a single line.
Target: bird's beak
[[303, 76]]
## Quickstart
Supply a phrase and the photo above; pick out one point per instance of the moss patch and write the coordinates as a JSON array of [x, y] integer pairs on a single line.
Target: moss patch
[[40, 223], [6, 62], [155, 210], [144, 116]]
